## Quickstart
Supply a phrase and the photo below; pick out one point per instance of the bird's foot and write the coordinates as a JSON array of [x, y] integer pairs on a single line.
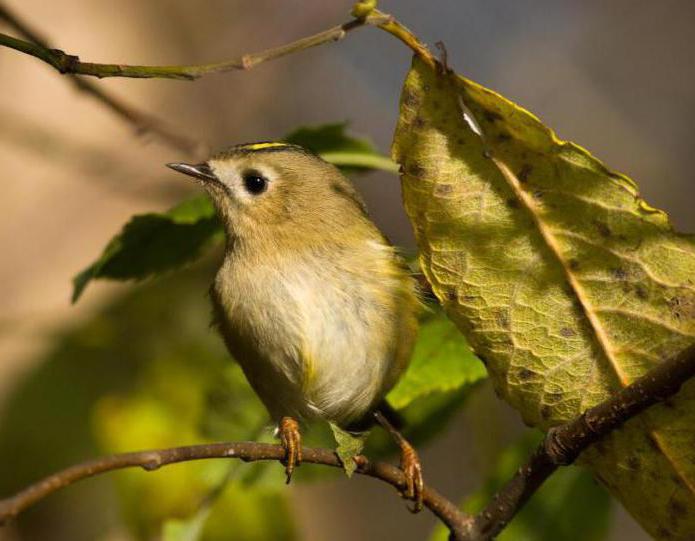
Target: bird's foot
[[410, 465], [412, 469], [291, 440]]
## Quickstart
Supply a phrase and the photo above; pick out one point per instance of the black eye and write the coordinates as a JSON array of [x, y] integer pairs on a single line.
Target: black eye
[[255, 183]]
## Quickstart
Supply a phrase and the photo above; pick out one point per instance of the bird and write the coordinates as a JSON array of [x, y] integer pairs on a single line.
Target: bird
[[311, 299]]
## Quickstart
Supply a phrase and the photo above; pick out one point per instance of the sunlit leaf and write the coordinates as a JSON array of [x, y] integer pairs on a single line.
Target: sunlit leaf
[[561, 277], [569, 505], [441, 362], [349, 446]]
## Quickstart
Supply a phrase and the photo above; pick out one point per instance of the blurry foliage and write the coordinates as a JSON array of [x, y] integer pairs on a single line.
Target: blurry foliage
[[569, 505]]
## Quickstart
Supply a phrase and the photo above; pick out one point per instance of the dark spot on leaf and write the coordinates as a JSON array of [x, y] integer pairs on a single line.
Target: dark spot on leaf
[[415, 170], [682, 307], [419, 123], [524, 173], [502, 318], [603, 229], [634, 463], [492, 116], [546, 412], [503, 137], [460, 141], [641, 291], [678, 510], [567, 332], [574, 264], [525, 374], [443, 190], [513, 203], [410, 99], [451, 294], [663, 533], [620, 274]]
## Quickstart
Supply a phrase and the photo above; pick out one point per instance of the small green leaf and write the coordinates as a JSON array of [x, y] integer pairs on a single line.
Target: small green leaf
[[569, 505], [441, 362], [349, 446], [333, 144], [154, 243]]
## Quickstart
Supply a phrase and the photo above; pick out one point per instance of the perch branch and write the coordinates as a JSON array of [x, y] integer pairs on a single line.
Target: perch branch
[[71, 64], [444, 509], [564, 443], [143, 123]]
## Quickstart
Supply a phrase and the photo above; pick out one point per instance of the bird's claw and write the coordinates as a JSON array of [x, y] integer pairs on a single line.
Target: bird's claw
[[291, 440], [412, 469]]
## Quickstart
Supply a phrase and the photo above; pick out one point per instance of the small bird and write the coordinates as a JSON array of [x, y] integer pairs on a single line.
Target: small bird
[[311, 299]]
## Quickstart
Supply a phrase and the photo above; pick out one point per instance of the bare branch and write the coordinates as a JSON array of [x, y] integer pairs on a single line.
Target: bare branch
[[564, 443], [444, 509], [143, 123], [71, 64]]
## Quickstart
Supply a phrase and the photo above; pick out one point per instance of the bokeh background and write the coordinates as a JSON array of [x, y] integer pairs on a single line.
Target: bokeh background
[[615, 77]]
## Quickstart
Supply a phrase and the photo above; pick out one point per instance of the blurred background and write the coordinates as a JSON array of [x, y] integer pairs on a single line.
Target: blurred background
[[130, 366]]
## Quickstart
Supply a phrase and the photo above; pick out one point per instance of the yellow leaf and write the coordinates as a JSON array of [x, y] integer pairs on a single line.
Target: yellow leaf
[[564, 281]]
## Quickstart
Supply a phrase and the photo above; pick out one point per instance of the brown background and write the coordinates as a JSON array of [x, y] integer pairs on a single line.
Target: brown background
[[614, 76]]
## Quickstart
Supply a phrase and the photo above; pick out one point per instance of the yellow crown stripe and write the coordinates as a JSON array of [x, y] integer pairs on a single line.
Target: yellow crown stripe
[[261, 146]]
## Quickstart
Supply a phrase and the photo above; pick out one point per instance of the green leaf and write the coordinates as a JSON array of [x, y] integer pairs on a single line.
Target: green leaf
[[349, 446], [569, 505], [333, 144], [441, 362], [153, 243], [562, 278]]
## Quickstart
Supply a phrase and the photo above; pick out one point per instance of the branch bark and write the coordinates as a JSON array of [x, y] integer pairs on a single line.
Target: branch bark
[[444, 509], [72, 65], [564, 443]]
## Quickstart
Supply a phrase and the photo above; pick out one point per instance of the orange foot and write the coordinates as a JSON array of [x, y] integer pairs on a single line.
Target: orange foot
[[291, 440], [412, 468], [410, 465]]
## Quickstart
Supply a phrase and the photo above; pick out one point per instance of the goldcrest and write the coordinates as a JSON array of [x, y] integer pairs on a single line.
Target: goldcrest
[[311, 299]]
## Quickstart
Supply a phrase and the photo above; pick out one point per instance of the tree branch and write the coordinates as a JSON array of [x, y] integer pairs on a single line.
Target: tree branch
[[564, 443], [444, 509], [71, 64], [143, 123]]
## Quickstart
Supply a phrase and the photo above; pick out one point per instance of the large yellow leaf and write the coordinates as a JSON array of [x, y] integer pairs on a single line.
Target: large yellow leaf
[[565, 282]]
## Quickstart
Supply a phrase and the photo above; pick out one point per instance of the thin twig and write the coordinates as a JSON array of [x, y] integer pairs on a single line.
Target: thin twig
[[71, 64], [563, 444], [143, 123], [444, 509]]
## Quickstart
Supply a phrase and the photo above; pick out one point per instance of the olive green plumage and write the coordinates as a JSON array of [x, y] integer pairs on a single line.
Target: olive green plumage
[[311, 300]]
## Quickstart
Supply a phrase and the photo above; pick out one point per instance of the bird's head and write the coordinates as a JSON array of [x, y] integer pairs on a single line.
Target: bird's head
[[265, 189]]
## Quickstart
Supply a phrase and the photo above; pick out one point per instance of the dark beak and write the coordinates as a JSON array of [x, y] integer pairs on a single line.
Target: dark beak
[[201, 171]]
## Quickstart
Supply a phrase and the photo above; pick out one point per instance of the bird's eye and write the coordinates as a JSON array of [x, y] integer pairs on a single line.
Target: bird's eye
[[255, 183]]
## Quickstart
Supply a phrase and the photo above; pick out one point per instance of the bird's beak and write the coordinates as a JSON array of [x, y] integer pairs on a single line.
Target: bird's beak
[[200, 171]]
